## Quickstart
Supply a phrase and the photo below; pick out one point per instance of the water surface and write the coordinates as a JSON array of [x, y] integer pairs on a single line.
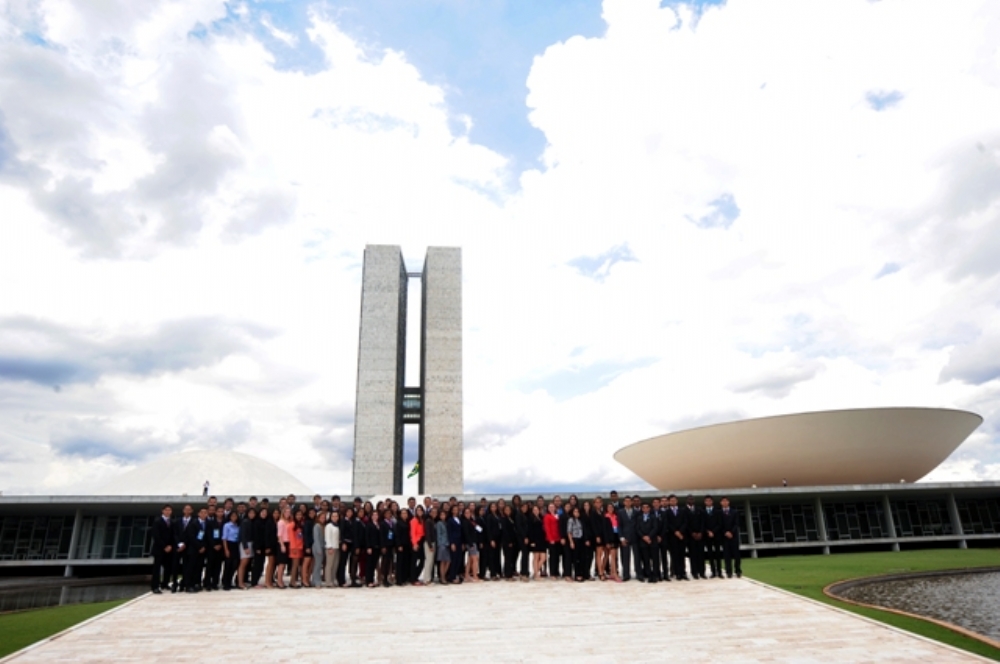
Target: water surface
[[971, 601]]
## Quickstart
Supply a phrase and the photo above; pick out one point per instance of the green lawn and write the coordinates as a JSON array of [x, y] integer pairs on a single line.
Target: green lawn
[[23, 628], [808, 575]]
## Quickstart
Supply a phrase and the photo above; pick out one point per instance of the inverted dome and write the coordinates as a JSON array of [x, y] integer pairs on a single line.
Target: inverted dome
[[863, 446], [230, 474]]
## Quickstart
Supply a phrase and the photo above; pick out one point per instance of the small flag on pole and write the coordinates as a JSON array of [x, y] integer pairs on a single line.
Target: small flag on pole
[[415, 471]]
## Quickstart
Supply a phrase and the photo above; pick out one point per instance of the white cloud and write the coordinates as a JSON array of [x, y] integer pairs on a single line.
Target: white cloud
[[719, 198]]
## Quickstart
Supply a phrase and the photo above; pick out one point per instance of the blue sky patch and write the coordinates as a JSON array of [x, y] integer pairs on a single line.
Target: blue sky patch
[[723, 212], [598, 267], [880, 100]]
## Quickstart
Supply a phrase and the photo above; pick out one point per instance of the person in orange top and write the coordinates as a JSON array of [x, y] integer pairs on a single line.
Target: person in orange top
[[417, 540], [296, 545]]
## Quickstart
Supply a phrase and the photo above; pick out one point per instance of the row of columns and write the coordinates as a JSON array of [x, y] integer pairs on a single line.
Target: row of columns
[[952, 506]]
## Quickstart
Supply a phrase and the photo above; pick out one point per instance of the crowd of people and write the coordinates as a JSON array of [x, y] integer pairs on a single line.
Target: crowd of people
[[334, 543]]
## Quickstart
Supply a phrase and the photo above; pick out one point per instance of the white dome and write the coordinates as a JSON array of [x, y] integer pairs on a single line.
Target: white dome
[[230, 474]]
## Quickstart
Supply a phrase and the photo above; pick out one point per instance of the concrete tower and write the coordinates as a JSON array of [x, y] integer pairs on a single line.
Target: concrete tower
[[384, 403]]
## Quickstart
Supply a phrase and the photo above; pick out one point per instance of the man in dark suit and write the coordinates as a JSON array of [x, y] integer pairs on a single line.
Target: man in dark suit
[[696, 538], [658, 509], [675, 529], [731, 538], [626, 535], [195, 543], [163, 550], [180, 551], [713, 537], [214, 553], [646, 529]]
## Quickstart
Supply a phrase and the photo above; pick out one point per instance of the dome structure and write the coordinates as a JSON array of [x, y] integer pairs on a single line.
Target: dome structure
[[835, 447], [229, 473]]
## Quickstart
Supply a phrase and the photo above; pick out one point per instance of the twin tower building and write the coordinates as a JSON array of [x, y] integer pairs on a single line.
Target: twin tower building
[[384, 402]]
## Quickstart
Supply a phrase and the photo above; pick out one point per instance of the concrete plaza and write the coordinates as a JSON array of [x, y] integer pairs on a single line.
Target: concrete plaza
[[714, 620]]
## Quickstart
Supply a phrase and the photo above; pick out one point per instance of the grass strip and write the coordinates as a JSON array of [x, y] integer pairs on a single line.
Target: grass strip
[[808, 575], [21, 629]]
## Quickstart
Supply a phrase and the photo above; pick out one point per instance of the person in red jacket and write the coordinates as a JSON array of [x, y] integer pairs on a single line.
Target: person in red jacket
[[551, 525]]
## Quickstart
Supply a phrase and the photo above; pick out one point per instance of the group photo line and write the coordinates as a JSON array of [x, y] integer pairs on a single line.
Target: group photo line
[[338, 544]]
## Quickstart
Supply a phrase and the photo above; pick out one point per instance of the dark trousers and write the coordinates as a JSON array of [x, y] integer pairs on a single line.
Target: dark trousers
[[177, 568], [388, 559], [345, 556], [509, 561], [626, 552], [373, 559], [194, 565], [213, 567], [257, 567], [649, 557], [417, 562], [232, 562], [696, 554], [578, 557], [637, 560], [731, 551], [555, 554], [455, 569], [355, 563], [677, 558], [712, 555], [404, 559], [568, 557], [493, 560], [162, 564], [663, 564]]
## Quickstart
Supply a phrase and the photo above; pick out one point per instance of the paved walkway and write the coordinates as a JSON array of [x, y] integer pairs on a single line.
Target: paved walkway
[[696, 621]]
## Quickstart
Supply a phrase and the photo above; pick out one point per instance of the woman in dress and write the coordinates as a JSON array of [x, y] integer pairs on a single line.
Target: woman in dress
[[308, 523], [612, 541], [374, 550], [246, 547], [285, 527], [470, 537], [404, 549], [271, 540], [443, 556], [536, 542]]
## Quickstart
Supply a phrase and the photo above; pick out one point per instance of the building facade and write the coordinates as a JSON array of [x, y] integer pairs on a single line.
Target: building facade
[[384, 402]]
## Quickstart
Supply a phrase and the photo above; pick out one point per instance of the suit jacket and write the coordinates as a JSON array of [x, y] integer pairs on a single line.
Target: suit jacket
[[730, 523], [163, 534], [401, 534], [195, 535], [695, 520], [713, 521], [454, 532], [597, 525], [494, 528], [646, 525], [626, 524], [674, 523]]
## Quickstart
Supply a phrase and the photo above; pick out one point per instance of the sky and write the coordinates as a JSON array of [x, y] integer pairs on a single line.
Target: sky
[[671, 215]]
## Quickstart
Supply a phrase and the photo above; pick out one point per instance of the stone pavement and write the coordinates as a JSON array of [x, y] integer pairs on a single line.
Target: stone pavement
[[696, 621]]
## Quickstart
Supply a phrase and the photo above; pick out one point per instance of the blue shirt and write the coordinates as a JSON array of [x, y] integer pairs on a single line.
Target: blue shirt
[[231, 532]]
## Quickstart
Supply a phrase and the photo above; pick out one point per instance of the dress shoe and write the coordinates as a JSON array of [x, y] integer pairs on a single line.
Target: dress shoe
[[157, 591]]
